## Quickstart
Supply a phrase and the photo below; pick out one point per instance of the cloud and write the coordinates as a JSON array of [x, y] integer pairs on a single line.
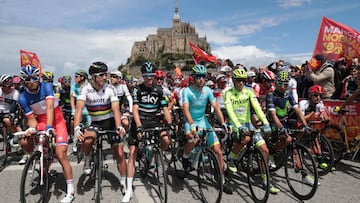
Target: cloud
[[63, 51], [292, 3]]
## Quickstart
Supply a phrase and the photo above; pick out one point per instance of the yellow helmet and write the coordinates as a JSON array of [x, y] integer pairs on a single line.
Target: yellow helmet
[[48, 76], [239, 73]]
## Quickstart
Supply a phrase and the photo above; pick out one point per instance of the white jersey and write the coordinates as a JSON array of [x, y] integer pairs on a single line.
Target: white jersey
[[98, 103], [7, 100], [305, 104], [123, 90], [292, 88]]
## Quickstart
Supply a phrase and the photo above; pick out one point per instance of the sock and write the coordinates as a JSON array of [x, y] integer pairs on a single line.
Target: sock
[[223, 177], [70, 186], [129, 184], [123, 180], [233, 155]]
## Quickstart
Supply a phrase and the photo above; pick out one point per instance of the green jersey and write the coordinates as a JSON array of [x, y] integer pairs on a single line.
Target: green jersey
[[238, 105]]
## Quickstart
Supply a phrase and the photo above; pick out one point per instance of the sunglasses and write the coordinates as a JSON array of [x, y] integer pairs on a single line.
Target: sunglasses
[[148, 75], [199, 76], [67, 81], [114, 76], [240, 80], [77, 76], [159, 78], [283, 84], [32, 79], [100, 74], [316, 95]]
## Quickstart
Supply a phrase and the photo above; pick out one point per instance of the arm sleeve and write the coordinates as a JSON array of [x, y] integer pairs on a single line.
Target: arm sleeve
[[257, 108], [230, 110]]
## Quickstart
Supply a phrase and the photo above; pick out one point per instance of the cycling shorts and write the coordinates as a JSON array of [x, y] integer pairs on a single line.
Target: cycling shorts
[[108, 124], [133, 139], [257, 137]]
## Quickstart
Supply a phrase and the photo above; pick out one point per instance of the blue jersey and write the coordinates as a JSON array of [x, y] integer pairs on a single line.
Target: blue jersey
[[197, 101], [75, 92]]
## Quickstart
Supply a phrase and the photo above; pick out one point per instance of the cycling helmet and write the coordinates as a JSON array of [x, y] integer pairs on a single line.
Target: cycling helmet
[[268, 76], [220, 78], [159, 74], [47, 75], [210, 84], [239, 74], [117, 73], [226, 69], [82, 73], [67, 78], [199, 70], [29, 71], [16, 79], [60, 80], [147, 68], [283, 76], [316, 89], [6, 79], [184, 82], [97, 67]]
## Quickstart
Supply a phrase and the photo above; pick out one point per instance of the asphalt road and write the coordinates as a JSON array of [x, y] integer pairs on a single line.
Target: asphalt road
[[342, 185]]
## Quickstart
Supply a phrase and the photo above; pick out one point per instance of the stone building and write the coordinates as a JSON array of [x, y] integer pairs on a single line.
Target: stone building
[[169, 40]]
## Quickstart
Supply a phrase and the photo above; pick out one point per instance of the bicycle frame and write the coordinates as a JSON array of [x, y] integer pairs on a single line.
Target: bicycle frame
[[343, 126]]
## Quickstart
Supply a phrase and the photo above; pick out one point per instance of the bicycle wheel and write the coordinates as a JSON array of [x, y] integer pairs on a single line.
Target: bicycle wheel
[[160, 175], [300, 170], [279, 159], [336, 138], [179, 170], [98, 175], [143, 165], [31, 187], [209, 177], [258, 174], [5, 147], [325, 158]]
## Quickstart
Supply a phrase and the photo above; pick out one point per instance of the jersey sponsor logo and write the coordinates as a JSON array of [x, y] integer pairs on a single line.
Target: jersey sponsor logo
[[149, 99], [239, 101], [96, 101]]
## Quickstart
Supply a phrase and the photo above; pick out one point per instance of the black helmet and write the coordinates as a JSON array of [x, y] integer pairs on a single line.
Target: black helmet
[[147, 68], [97, 67]]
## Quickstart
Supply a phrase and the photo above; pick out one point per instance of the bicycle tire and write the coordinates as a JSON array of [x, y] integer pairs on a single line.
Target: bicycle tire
[[98, 175], [5, 147], [209, 177], [279, 158], [161, 176], [294, 176], [177, 162], [257, 167], [31, 173], [337, 141], [326, 155]]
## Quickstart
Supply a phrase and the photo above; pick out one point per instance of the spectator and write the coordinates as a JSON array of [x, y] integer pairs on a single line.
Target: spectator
[[341, 71], [278, 65], [355, 61], [321, 72], [349, 83]]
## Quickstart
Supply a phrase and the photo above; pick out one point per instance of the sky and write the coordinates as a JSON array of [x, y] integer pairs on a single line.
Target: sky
[[68, 35]]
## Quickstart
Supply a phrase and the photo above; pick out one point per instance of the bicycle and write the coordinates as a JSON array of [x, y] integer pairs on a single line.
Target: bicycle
[[343, 147], [206, 164], [324, 156], [150, 160], [299, 164], [36, 173], [98, 166], [252, 161]]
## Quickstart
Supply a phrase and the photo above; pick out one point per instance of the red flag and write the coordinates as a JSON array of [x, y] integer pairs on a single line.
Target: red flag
[[27, 57], [336, 40], [200, 55]]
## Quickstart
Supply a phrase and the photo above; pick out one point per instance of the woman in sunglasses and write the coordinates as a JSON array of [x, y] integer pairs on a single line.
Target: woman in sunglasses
[[43, 112]]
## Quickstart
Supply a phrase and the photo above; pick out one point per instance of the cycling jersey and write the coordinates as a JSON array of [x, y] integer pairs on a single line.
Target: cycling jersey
[[198, 101], [280, 103], [9, 101], [306, 108], [65, 99], [123, 91], [98, 102], [35, 104], [150, 100]]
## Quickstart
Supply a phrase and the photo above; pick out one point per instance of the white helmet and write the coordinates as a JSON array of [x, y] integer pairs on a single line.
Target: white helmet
[[116, 72], [226, 69]]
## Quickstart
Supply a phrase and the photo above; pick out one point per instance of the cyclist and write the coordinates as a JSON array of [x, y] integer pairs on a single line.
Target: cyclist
[[48, 76], [18, 83], [65, 102], [42, 112], [314, 109], [195, 99], [80, 82], [149, 100], [122, 91], [278, 103], [103, 105], [238, 101]]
